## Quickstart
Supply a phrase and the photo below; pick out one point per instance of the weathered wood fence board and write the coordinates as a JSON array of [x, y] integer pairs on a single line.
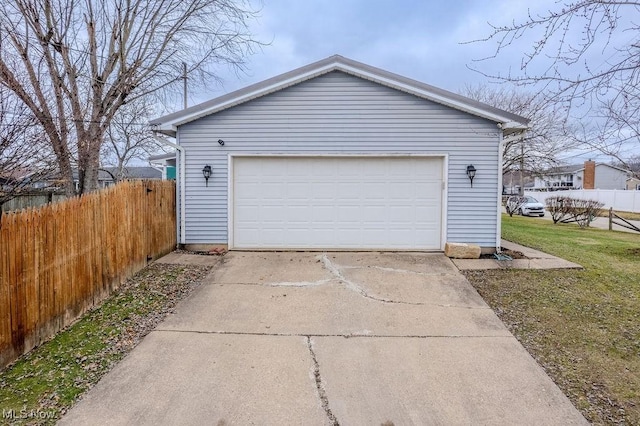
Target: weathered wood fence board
[[59, 260], [31, 200]]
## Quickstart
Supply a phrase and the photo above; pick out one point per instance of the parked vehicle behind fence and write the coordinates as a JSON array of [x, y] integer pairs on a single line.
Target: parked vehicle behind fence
[[526, 206]]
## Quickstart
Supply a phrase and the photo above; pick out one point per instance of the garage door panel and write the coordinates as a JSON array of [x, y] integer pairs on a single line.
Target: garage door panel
[[298, 168], [323, 213], [378, 214], [337, 202], [349, 190], [265, 169], [429, 212], [321, 190]]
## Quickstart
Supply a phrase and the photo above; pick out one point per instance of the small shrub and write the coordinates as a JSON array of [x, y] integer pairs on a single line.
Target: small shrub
[[513, 203], [558, 207], [567, 209]]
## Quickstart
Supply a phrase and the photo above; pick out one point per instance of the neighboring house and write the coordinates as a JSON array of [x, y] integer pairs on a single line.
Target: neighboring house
[[166, 163], [562, 177], [107, 176], [27, 179], [591, 175], [633, 184], [339, 155]]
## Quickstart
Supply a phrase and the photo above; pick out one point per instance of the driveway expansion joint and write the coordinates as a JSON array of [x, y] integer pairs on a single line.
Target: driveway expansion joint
[[322, 393], [281, 284], [343, 335]]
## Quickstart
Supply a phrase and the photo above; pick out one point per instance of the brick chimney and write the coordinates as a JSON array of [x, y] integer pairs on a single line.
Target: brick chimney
[[589, 179]]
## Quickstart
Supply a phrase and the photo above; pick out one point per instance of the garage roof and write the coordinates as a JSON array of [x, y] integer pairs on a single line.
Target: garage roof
[[510, 123]]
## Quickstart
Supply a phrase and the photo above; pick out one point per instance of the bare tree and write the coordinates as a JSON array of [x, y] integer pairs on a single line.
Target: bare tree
[[614, 130], [75, 63], [631, 163], [129, 138], [543, 142], [585, 57], [24, 155]]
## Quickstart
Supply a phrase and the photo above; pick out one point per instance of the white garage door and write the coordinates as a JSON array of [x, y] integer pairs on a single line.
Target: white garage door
[[337, 203]]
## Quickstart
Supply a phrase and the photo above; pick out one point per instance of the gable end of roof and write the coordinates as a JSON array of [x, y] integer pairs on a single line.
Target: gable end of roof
[[168, 124]]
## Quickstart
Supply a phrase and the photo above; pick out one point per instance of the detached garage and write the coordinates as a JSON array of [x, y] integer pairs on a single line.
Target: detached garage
[[339, 155]]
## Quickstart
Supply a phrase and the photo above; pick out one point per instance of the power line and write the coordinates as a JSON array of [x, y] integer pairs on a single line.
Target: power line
[[597, 149], [70, 120]]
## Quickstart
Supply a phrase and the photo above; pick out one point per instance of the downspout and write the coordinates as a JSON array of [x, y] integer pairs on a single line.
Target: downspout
[[180, 225], [500, 160]]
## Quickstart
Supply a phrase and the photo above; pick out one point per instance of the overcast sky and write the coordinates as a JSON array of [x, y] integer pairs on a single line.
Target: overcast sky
[[426, 40], [420, 39]]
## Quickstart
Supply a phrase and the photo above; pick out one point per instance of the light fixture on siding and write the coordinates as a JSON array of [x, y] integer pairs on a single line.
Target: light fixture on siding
[[471, 172], [206, 172], [220, 142]]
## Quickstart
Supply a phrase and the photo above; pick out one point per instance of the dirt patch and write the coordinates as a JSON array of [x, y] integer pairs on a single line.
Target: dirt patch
[[511, 253], [634, 251], [212, 252]]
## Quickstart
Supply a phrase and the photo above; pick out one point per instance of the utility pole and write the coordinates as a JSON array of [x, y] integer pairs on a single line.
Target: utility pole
[[184, 80], [521, 192]]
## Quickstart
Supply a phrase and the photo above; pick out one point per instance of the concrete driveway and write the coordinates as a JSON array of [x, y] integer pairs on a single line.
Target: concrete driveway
[[333, 338]]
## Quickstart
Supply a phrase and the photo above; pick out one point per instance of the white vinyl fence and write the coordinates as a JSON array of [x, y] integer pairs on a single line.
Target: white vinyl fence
[[620, 200]]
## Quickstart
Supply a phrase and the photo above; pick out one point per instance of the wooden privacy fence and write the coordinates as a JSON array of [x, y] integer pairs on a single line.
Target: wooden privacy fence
[[26, 201], [58, 261]]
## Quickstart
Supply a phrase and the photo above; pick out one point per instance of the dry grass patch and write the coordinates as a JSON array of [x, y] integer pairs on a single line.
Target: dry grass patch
[[625, 215]]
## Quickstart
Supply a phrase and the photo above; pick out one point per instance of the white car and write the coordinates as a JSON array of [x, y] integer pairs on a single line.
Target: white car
[[526, 206]]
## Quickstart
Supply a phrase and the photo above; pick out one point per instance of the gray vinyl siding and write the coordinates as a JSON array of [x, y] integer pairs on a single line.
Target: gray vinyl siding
[[610, 178], [341, 114]]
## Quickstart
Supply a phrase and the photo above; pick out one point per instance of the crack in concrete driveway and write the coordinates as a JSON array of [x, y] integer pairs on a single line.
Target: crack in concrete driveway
[[336, 271], [322, 393]]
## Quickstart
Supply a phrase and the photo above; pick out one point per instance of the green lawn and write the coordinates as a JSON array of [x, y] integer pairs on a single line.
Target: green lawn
[[583, 327]]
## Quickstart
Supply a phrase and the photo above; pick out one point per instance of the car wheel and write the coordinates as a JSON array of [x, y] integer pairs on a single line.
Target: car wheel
[[520, 212]]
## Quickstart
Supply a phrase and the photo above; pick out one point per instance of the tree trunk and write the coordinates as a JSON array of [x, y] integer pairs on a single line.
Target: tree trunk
[[66, 173], [88, 170], [89, 142]]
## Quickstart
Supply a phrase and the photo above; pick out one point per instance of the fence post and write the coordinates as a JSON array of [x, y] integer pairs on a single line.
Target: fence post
[[610, 218]]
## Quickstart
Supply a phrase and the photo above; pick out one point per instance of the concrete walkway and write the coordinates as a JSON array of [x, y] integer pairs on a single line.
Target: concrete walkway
[[333, 338], [535, 260]]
